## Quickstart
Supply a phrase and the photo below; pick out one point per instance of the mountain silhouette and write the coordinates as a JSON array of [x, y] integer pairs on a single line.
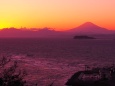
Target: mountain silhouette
[[89, 28], [84, 29], [43, 32]]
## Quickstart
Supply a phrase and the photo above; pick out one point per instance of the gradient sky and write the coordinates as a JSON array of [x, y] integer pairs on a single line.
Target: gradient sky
[[58, 14]]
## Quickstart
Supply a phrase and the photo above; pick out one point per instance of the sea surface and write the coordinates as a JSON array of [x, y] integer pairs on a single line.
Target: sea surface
[[55, 60]]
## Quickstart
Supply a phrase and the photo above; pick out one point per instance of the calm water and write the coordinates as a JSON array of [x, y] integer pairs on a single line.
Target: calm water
[[60, 48], [58, 59]]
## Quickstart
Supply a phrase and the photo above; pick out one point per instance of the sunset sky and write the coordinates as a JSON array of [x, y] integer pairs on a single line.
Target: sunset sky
[[58, 14]]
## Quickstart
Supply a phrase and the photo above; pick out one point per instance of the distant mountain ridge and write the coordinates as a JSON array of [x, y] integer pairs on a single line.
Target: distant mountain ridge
[[25, 33], [89, 28], [84, 29]]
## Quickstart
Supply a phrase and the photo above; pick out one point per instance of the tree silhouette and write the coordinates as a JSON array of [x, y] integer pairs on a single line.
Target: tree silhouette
[[9, 75]]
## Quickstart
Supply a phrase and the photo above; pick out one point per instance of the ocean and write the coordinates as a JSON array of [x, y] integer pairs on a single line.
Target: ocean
[[55, 60]]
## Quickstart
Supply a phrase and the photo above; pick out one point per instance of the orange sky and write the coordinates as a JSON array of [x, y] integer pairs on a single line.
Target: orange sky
[[58, 14]]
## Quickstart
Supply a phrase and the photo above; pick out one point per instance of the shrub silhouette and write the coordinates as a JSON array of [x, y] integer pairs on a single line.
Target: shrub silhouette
[[10, 76]]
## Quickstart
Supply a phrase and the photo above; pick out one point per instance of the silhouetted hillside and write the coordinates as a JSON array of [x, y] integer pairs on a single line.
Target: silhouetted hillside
[[84, 29], [89, 28], [13, 32]]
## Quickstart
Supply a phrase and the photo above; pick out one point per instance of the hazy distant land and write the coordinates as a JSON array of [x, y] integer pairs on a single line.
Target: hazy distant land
[[83, 37], [87, 28]]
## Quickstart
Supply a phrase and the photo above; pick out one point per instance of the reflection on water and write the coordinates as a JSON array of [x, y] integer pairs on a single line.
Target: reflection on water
[[49, 60]]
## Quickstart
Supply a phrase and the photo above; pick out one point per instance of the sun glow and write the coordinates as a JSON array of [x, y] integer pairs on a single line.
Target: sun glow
[[58, 14], [4, 25]]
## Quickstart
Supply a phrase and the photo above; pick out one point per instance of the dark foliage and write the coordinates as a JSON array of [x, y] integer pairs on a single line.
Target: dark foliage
[[10, 76]]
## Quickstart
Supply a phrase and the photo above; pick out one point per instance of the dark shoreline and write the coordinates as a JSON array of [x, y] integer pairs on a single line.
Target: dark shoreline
[[95, 77]]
